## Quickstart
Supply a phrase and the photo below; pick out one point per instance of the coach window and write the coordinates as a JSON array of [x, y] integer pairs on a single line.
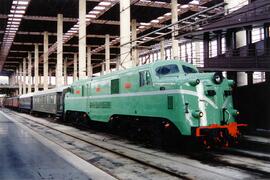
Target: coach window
[[145, 78]]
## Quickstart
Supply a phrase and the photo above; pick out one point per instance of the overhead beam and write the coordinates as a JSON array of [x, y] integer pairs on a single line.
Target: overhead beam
[[66, 53], [65, 45], [65, 19], [50, 63], [155, 4], [16, 13]]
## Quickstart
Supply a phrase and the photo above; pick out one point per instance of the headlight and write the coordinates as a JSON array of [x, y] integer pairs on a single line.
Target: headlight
[[218, 78]]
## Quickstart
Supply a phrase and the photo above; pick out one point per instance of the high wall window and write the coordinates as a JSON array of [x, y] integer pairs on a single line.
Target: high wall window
[[223, 45], [213, 48], [183, 52], [191, 52], [257, 34], [258, 77], [168, 52]]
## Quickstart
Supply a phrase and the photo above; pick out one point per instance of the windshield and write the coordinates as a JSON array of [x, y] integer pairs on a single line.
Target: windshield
[[189, 70], [167, 69]]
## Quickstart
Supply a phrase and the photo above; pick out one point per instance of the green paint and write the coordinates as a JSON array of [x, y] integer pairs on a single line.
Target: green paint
[[155, 93]]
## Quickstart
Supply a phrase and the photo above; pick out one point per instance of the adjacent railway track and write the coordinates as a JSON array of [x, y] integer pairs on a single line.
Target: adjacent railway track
[[178, 166]]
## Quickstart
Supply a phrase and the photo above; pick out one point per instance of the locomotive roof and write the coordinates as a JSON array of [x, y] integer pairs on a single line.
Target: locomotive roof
[[54, 90], [14, 97], [27, 95], [156, 63]]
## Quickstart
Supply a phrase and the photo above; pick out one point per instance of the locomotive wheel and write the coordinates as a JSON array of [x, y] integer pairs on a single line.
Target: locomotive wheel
[[158, 134]]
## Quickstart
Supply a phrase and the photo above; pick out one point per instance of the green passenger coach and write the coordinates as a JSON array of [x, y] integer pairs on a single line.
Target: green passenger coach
[[170, 92]]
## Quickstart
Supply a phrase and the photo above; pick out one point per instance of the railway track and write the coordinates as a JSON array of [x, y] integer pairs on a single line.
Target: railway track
[[183, 166], [171, 174]]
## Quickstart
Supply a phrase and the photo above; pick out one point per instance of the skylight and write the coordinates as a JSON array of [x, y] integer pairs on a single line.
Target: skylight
[[17, 11]]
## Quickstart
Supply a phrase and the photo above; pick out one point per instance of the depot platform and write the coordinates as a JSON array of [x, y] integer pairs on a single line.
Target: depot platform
[[23, 156]]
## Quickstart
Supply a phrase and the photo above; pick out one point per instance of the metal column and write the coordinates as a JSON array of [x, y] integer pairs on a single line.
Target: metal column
[[125, 57], [45, 60], [36, 67], [24, 75], [250, 78], [65, 72], [206, 46], [59, 65], [107, 53], [29, 72], [219, 42], [134, 52], [50, 76], [82, 39], [75, 65], [162, 50], [175, 45], [89, 63], [20, 79]]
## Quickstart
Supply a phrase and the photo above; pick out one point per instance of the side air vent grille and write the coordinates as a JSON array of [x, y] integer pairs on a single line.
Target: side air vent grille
[[170, 102]]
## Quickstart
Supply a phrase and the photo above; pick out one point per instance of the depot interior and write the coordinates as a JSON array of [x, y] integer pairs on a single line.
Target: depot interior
[[43, 45]]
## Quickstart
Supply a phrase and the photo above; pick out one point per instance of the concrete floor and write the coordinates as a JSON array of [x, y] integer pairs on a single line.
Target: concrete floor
[[23, 157]]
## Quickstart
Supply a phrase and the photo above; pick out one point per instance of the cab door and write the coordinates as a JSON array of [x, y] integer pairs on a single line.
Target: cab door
[[144, 100], [145, 81]]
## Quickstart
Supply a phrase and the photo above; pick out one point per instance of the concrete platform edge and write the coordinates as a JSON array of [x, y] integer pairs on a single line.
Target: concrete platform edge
[[91, 171]]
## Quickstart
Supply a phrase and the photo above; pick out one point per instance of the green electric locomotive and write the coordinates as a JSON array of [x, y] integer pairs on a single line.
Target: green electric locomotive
[[170, 93]]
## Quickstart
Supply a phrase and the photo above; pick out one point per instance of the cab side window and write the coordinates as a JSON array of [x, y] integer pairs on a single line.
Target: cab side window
[[189, 70], [115, 86], [145, 78]]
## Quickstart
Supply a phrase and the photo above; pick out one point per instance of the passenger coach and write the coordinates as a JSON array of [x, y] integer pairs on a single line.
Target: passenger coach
[[50, 101]]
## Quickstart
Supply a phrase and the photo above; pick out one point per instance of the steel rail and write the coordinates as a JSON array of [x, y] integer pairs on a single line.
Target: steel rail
[[163, 170]]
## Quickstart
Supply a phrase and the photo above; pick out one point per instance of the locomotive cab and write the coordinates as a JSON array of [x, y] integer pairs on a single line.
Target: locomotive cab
[[206, 107]]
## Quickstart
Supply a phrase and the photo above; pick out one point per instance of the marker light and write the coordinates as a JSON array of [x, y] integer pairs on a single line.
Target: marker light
[[235, 112], [197, 114], [194, 82]]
